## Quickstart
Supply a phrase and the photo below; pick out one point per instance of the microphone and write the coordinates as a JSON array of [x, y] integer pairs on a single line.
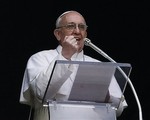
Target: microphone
[[88, 42]]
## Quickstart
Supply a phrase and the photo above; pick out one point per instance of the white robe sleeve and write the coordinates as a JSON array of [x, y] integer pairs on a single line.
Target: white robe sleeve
[[37, 75], [116, 96]]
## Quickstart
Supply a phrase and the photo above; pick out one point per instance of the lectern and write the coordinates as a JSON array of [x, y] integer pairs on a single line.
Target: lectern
[[88, 98]]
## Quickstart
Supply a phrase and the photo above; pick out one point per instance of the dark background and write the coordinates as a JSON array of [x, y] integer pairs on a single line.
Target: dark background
[[118, 28]]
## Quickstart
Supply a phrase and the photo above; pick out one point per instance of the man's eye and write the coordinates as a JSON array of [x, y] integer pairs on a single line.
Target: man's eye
[[82, 26], [70, 26]]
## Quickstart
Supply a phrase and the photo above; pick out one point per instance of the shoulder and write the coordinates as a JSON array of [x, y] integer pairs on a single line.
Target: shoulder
[[44, 56], [45, 53]]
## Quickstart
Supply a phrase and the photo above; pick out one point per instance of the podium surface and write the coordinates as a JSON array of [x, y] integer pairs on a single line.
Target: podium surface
[[88, 96], [74, 111]]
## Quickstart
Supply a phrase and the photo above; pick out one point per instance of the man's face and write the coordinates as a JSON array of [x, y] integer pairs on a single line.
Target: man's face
[[73, 24]]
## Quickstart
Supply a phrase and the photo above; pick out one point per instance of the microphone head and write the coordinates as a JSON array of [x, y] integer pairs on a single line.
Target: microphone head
[[87, 41]]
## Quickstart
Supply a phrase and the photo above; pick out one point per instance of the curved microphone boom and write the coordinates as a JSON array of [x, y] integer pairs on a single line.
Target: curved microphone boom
[[88, 42]]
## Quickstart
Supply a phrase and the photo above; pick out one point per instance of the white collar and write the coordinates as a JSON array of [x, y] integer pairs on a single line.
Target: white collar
[[76, 56]]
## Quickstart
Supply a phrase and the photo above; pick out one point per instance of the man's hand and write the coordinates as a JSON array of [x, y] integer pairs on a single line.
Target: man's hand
[[69, 46]]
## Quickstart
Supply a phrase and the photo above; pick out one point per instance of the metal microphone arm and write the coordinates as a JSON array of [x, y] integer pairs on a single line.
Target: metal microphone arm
[[88, 42]]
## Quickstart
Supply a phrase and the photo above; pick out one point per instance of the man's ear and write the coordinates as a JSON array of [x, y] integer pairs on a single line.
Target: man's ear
[[56, 33], [85, 34]]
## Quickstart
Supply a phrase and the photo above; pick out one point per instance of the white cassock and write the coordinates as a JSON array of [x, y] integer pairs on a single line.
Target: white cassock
[[36, 76]]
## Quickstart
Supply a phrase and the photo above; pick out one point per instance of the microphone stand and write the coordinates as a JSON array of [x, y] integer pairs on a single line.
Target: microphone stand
[[89, 43]]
